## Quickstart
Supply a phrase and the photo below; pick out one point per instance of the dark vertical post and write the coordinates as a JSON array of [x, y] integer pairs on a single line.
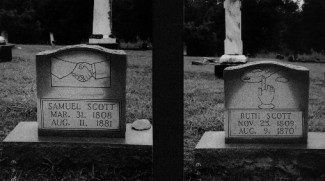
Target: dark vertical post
[[167, 90]]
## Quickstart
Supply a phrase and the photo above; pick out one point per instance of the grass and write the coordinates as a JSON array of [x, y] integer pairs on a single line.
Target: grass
[[313, 56], [203, 108], [204, 105], [18, 103]]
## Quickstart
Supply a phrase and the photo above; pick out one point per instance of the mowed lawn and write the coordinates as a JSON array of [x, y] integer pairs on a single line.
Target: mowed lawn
[[18, 102], [203, 96], [204, 105]]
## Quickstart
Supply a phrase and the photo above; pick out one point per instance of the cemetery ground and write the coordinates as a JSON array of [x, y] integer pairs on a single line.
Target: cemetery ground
[[18, 103], [203, 111], [203, 108]]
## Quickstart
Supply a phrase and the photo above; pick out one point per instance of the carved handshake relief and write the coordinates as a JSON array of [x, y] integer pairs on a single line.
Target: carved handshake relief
[[84, 71], [81, 71]]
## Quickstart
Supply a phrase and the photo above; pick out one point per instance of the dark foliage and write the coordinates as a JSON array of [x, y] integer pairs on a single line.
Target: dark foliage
[[204, 29], [31, 21], [268, 26]]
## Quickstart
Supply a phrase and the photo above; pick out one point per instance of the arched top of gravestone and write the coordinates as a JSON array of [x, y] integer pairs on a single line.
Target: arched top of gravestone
[[82, 47], [266, 63]]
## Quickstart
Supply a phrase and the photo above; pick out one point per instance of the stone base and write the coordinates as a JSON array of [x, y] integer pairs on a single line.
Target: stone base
[[82, 133], [260, 161], [229, 59], [6, 52], [114, 46], [109, 43], [28, 132], [218, 68], [102, 40], [24, 149]]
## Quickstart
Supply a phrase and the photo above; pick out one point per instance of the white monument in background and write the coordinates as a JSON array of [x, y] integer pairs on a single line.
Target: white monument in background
[[233, 41], [4, 34], [102, 23]]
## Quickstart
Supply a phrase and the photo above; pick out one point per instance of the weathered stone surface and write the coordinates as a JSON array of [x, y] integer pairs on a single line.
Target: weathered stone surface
[[266, 102], [102, 23], [101, 20], [129, 155], [27, 132], [81, 91], [235, 59], [2, 41], [224, 161], [233, 41], [141, 124], [4, 34]]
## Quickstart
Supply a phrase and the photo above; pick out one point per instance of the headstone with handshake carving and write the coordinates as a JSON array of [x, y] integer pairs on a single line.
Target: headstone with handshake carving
[[81, 91]]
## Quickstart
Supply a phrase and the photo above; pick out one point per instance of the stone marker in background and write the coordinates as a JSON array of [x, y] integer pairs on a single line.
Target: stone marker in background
[[5, 50], [81, 91], [233, 43], [266, 102], [4, 34], [2, 40], [102, 24], [52, 41]]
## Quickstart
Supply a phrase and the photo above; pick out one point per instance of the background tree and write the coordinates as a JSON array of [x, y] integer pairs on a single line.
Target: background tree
[[18, 18], [31, 21], [132, 19], [267, 25], [313, 26], [204, 27]]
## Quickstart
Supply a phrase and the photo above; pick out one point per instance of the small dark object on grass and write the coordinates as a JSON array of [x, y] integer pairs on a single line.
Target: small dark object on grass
[[198, 63], [210, 60], [291, 58], [279, 56], [205, 61]]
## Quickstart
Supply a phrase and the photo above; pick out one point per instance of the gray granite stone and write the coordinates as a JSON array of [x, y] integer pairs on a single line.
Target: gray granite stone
[[215, 140], [27, 132], [233, 41], [102, 23], [4, 34], [81, 91], [2, 41], [33, 152], [141, 124], [266, 101]]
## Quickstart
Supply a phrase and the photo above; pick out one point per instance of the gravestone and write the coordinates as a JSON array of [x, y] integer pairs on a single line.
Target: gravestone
[[266, 108], [233, 43], [4, 34], [2, 40], [266, 102], [52, 41], [5, 50], [102, 25], [81, 92]]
